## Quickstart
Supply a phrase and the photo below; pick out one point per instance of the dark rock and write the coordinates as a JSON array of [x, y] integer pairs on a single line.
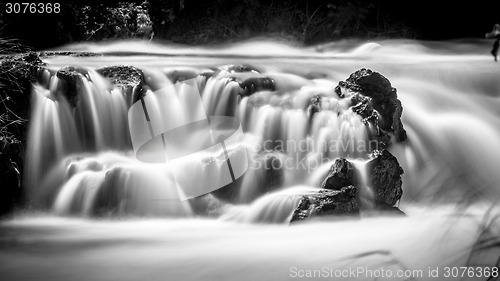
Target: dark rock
[[72, 78], [207, 73], [122, 75], [341, 174], [256, 84], [370, 117], [273, 172], [130, 78], [314, 107], [328, 202], [384, 176], [111, 196], [384, 209], [65, 53], [375, 100]]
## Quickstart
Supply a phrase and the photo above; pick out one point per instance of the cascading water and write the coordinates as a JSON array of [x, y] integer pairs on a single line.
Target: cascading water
[[81, 162]]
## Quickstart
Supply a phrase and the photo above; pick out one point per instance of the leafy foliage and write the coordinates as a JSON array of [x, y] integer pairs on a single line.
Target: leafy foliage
[[125, 20], [205, 21]]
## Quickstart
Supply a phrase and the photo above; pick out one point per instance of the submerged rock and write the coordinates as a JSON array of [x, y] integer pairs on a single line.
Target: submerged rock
[[266, 175], [375, 100], [328, 202], [256, 84]]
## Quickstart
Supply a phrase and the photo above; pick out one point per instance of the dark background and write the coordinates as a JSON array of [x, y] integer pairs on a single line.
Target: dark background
[[214, 21]]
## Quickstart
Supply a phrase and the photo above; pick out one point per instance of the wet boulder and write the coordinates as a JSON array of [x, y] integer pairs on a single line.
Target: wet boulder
[[256, 84], [122, 75], [129, 78], [375, 100], [327, 202], [384, 175], [71, 78], [313, 107], [341, 174]]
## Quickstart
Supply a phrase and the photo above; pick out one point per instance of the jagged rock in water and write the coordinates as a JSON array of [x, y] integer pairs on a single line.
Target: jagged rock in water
[[72, 82], [375, 100], [341, 174], [256, 84], [314, 107], [384, 175], [328, 202], [130, 78]]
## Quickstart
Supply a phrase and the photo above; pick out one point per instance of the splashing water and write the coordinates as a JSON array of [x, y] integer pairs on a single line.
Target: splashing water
[[80, 164]]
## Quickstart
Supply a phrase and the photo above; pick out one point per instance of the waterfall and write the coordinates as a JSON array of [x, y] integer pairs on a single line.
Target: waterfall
[[366, 193], [96, 211], [451, 122]]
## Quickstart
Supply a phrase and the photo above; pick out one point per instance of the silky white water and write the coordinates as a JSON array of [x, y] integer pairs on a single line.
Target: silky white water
[[98, 213]]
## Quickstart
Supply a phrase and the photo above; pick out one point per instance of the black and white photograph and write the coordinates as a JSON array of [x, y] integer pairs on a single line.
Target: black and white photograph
[[249, 140]]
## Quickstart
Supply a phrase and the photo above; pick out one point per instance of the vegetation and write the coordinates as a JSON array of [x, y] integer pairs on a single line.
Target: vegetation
[[202, 22], [17, 72]]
